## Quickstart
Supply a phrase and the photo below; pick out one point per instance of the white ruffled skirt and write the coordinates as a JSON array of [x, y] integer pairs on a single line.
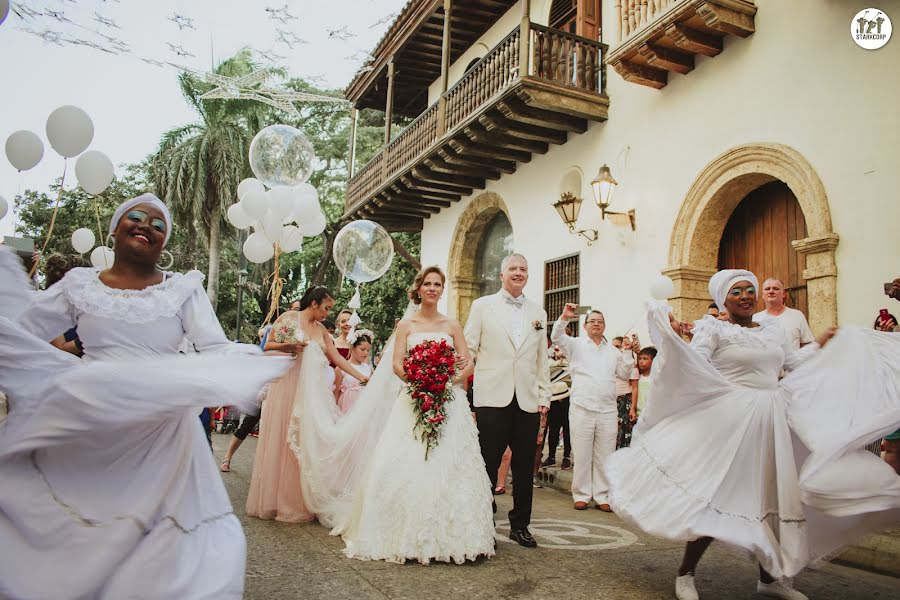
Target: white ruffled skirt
[[779, 474]]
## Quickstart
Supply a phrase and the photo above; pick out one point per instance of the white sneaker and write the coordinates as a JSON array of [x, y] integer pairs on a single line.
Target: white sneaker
[[685, 589], [780, 588]]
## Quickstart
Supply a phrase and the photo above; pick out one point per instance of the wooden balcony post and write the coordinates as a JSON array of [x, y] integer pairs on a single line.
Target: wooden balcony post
[[354, 117], [389, 109], [525, 39], [445, 69]]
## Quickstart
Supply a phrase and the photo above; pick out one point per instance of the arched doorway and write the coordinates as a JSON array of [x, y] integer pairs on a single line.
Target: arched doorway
[[758, 237], [709, 205], [483, 237]]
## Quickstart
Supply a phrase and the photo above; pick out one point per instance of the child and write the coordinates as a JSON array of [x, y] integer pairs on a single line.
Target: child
[[645, 383], [349, 389]]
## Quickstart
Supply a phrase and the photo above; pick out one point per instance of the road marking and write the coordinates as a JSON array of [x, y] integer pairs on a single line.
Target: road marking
[[561, 534]]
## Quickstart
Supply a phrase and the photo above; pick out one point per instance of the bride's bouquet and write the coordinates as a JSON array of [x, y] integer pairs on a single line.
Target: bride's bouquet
[[430, 367]]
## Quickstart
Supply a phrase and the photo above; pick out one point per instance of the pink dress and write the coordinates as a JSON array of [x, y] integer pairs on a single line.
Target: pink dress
[[351, 388], [275, 484]]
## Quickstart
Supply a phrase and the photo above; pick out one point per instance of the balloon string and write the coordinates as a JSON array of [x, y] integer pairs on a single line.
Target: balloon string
[[276, 286], [62, 183], [100, 239], [15, 202]]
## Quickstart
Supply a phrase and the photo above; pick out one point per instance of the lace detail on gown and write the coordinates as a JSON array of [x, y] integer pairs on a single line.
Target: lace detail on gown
[[412, 509], [83, 288]]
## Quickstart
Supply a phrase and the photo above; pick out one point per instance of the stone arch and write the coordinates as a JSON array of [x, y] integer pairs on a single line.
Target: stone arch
[[470, 227], [713, 196]]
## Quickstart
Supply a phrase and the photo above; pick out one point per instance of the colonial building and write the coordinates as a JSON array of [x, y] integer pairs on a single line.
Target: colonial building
[[738, 133]]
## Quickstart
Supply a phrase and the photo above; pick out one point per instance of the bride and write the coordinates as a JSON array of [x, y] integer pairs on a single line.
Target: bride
[[367, 476]]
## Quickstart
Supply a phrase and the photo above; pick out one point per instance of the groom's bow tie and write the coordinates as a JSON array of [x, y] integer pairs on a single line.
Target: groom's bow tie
[[517, 302]]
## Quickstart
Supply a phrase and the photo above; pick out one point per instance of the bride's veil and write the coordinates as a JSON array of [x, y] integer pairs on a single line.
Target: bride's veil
[[334, 449]]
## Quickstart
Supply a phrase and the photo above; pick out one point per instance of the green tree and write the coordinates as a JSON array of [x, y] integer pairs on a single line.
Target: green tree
[[197, 167]]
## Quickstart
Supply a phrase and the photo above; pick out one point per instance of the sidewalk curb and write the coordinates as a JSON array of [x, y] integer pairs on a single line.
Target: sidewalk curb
[[879, 553]]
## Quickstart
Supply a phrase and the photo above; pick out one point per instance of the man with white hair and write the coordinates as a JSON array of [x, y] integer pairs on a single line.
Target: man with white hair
[[792, 320]]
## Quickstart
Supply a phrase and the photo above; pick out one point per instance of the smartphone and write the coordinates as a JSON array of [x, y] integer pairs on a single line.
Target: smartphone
[[884, 314], [582, 310], [888, 287]]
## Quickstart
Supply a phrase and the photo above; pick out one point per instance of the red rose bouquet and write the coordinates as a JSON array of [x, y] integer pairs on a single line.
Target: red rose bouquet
[[430, 367]]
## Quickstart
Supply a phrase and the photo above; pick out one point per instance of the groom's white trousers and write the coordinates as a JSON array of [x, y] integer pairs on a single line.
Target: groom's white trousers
[[593, 440]]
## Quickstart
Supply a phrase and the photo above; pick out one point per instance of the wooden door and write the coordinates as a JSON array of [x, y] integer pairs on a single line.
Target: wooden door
[[581, 17], [758, 237]]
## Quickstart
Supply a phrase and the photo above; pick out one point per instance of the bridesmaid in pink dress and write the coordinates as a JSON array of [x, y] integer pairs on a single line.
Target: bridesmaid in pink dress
[[349, 389], [275, 484]]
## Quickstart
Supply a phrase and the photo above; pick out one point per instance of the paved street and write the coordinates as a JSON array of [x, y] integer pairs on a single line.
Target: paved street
[[582, 555]]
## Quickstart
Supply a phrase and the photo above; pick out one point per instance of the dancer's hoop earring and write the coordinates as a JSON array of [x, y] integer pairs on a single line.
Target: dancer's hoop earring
[[167, 265], [108, 238]]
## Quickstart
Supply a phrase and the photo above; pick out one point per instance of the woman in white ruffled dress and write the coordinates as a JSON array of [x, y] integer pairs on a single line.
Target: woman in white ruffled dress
[[109, 489], [774, 469], [365, 473]]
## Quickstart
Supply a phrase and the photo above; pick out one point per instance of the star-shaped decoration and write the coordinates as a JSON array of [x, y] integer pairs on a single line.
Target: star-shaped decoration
[[177, 49], [340, 34], [91, 44], [182, 22], [58, 15], [49, 37], [251, 87], [26, 13], [155, 63], [280, 14], [290, 38], [385, 19], [104, 21], [270, 55]]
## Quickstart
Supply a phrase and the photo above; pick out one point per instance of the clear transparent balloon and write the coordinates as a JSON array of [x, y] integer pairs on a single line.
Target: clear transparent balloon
[[363, 251], [281, 155]]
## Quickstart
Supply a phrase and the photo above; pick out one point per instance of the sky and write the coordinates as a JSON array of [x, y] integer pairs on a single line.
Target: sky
[[130, 99]]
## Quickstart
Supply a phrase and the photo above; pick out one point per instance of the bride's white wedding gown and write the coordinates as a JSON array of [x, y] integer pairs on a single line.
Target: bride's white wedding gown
[[398, 505]]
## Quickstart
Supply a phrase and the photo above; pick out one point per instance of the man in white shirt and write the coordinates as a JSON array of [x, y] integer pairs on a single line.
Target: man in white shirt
[[594, 365], [792, 320]]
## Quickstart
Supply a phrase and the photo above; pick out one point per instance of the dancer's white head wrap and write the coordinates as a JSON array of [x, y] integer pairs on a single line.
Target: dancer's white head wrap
[[147, 198], [724, 280]]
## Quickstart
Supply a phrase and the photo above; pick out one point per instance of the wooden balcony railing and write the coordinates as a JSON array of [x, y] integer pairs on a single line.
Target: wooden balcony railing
[[635, 14], [557, 58]]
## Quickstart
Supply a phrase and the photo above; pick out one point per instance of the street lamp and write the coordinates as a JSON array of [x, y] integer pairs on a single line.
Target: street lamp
[[604, 186], [568, 206]]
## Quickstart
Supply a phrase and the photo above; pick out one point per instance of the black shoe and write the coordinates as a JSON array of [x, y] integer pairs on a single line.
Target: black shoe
[[548, 462], [522, 537], [566, 463]]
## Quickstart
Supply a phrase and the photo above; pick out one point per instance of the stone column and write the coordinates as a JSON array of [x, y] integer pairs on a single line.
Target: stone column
[[465, 290], [821, 279], [691, 291]]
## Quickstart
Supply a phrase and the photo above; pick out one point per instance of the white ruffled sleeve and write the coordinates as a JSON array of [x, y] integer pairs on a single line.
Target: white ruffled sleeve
[[795, 358], [49, 313], [706, 337], [202, 327]]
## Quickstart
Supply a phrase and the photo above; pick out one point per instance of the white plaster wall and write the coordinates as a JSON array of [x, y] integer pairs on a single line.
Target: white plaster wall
[[799, 80]]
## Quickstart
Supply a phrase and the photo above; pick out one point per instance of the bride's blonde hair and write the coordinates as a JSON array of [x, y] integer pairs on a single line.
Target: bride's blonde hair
[[413, 290]]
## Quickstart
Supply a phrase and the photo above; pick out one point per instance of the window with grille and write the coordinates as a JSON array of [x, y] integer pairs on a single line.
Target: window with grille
[[562, 278]]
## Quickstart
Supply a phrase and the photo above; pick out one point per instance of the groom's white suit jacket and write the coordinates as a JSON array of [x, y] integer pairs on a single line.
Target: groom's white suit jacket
[[501, 368]]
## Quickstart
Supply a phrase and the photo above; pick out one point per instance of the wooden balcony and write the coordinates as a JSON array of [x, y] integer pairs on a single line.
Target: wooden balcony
[[659, 36], [498, 115]]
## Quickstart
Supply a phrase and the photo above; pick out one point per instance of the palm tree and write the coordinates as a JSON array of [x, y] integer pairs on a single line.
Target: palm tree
[[197, 167]]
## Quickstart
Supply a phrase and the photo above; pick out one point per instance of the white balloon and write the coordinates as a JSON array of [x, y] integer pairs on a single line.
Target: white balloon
[[257, 248], [249, 185], [314, 226], [271, 227], [255, 204], [281, 201], [24, 149], [237, 216], [306, 202], [94, 171], [291, 239], [4, 207], [662, 288], [83, 240], [102, 257], [69, 130]]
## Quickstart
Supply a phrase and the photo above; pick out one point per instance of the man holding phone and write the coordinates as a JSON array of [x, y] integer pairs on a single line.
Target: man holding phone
[[593, 412]]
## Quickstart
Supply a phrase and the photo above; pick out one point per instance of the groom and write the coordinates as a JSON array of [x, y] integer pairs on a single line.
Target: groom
[[507, 338]]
